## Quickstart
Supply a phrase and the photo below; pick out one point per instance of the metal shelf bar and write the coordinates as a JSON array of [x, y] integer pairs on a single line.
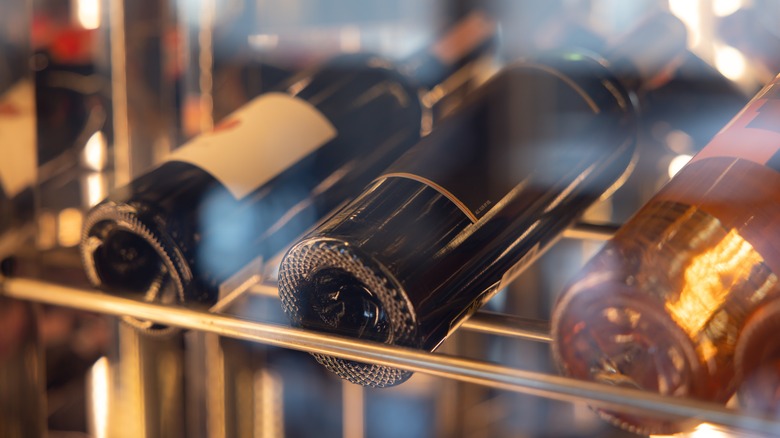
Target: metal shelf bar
[[591, 231], [463, 369], [483, 322], [507, 325]]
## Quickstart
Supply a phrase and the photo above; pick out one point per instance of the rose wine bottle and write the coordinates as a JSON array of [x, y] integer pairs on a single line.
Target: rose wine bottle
[[757, 361], [267, 173], [661, 306]]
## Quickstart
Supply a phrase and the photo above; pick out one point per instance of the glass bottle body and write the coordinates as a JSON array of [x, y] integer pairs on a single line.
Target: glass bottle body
[[463, 211], [662, 305], [181, 229]]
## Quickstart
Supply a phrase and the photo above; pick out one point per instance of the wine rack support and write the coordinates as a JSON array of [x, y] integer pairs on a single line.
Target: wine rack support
[[591, 231], [490, 323], [452, 367]]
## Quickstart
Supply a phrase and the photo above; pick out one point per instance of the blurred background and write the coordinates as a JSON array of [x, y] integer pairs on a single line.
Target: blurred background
[[95, 92]]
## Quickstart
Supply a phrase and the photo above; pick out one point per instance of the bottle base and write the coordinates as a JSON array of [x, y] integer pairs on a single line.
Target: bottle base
[[607, 335], [312, 256]]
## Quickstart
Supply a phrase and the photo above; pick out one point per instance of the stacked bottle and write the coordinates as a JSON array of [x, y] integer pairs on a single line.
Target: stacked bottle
[[757, 361], [470, 206], [267, 173], [662, 305], [463, 211]]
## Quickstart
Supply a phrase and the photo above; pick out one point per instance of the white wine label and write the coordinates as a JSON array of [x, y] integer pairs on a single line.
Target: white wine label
[[17, 138], [258, 142], [753, 134]]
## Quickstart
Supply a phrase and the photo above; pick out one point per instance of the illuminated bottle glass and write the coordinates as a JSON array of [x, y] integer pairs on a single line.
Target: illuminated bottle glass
[[661, 306], [757, 361]]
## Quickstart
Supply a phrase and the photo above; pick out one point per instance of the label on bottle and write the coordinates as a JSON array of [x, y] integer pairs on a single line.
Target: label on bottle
[[17, 138], [753, 134], [258, 142], [736, 177]]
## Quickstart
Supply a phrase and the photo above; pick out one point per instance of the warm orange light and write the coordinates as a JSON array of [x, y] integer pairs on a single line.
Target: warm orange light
[[69, 225], [689, 11], [708, 279], [87, 13], [99, 387]]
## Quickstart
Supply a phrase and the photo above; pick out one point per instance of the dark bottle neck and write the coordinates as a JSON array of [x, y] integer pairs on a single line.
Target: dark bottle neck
[[646, 56], [473, 36], [355, 86]]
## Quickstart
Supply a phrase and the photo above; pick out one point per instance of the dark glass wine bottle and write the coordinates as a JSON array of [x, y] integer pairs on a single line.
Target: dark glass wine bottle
[[662, 305], [264, 176], [463, 211]]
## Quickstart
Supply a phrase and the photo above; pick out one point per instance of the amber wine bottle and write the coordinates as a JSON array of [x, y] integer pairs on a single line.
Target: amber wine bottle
[[661, 306], [757, 361]]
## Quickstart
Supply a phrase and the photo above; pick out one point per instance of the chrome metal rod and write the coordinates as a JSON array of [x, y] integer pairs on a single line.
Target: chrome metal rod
[[467, 370], [590, 231], [508, 325], [483, 322]]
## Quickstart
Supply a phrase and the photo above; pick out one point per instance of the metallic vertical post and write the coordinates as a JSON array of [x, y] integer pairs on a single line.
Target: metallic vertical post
[[22, 370], [122, 156], [145, 392], [22, 380], [353, 410]]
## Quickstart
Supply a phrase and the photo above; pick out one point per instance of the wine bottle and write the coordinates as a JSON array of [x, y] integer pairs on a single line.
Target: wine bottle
[[660, 307], [757, 361], [266, 174], [463, 211]]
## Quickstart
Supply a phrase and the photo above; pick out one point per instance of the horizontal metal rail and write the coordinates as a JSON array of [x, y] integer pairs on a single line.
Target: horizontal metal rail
[[483, 322], [591, 231], [486, 322], [507, 325], [467, 370]]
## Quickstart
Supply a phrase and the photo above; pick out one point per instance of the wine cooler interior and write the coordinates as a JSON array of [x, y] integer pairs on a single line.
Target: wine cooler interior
[[95, 94]]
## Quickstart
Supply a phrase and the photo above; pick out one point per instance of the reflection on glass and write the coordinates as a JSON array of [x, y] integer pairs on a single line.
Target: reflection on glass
[[69, 223], [95, 151], [722, 8], [708, 280], [98, 396], [96, 187], [660, 308], [704, 430], [689, 12], [730, 62], [677, 163], [47, 230], [87, 13]]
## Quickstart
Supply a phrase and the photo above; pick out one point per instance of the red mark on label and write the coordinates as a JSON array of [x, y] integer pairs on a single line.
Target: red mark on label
[[226, 125], [7, 109]]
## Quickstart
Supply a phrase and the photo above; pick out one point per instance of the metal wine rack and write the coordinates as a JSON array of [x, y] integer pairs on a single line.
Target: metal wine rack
[[480, 372], [130, 48]]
